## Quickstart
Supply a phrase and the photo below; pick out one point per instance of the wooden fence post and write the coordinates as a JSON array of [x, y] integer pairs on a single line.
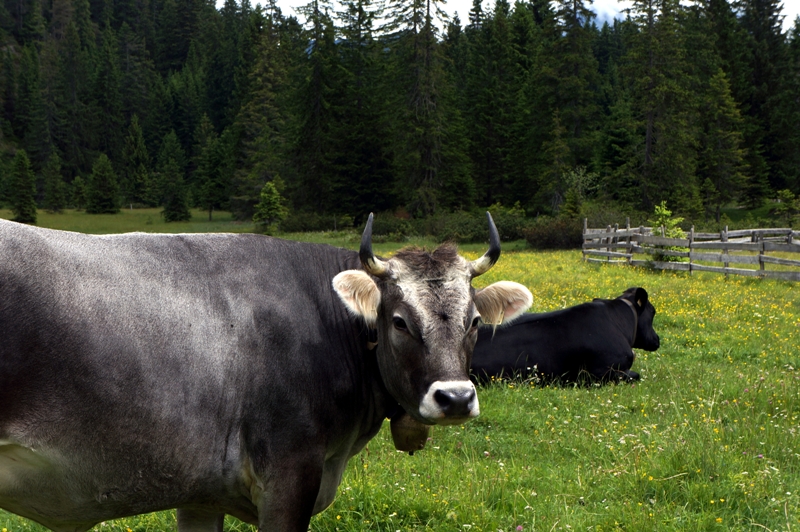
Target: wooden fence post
[[691, 246], [614, 240], [585, 230], [628, 248], [724, 238]]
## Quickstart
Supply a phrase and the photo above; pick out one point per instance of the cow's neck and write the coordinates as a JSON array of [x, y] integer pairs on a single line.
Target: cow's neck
[[635, 319]]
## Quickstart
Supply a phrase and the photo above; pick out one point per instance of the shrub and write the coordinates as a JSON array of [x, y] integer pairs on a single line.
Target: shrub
[[510, 221], [671, 224], [554, 233], [391, 228]]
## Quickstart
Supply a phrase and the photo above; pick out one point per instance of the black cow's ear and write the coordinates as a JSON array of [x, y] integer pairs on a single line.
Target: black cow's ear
[[641, 297]]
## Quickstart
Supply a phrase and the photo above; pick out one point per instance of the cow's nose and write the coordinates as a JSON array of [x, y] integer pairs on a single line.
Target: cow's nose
[[449, 402], [455, 403]]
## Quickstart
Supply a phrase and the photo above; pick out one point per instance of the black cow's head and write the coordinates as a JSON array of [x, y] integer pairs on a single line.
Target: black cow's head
[[646, 337], [427, 315]]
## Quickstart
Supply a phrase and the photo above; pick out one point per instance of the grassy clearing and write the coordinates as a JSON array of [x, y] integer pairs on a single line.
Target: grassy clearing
[[708, 440]]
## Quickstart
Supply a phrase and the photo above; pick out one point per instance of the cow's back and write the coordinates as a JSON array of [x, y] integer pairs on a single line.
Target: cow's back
[[561, 343], [134, 367]]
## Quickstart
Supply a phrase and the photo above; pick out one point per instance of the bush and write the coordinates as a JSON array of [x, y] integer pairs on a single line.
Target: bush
[[554, 233], [391, 228], [510, 221], [455, 227]]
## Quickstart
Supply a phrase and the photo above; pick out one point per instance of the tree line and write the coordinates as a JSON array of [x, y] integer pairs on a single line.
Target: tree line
[[370, 106]]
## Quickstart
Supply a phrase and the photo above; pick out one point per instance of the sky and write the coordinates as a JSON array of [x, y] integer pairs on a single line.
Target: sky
[[605, 9]]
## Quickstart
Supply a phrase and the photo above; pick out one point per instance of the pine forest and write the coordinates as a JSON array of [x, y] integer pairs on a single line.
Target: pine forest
[[363, 106]]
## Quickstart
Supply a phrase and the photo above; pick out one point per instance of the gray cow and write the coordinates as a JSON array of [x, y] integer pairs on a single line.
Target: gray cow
[[219, 373]]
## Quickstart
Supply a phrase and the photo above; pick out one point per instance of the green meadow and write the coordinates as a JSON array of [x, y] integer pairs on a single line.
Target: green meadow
[[709, 439]]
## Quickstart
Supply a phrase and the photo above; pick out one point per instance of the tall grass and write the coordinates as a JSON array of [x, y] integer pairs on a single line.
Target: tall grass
[[707, 440]]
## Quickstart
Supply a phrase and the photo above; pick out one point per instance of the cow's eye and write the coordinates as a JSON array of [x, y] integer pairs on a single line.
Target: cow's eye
[[399, 324], [476, 321]]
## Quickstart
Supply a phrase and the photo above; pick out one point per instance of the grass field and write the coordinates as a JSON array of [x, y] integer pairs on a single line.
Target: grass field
[[708, 440]]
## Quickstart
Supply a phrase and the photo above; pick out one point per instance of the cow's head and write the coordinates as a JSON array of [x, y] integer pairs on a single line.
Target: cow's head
[[646, 337], [426, 314]]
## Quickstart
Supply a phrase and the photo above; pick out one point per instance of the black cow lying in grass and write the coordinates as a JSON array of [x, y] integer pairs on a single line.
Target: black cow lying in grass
[[591, 341]]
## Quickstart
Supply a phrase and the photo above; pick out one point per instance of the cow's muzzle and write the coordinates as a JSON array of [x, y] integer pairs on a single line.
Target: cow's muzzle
[[450, 402]]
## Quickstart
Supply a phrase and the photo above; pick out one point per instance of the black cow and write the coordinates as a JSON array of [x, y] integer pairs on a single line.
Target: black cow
[[592, 340], [219, 373]]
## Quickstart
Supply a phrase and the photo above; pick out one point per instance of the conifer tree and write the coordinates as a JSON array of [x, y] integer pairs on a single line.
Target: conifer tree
[[176, 207], [312, 145], [33, 126], [576, 76], [78, 193], [559, 160], [8, 96], [655, 67], [136, 71], [108, 99], [491, 102], [260, 124], [74, 136], [21, 189], [55, 190], [102, 189], [762, 19], [135, 166], [270, 208], [210, 182], [721, 150], [169, 186], [419, 154], [361, 169]]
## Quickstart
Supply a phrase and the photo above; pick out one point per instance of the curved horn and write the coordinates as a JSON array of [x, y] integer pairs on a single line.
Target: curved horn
[[484, 264], [369, 261]]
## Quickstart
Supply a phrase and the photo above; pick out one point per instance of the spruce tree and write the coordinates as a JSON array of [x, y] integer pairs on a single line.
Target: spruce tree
[[78, 193], [170, 155], [33, 126], [134, 166], [270, 208], [108, 100], [8, 96], [55, 190], [176, 207], [421, 128], [576, 77], [311, 147], [102, 189], [21, 189], [260, 124], [170, 181], [74, 136], [210, 182], [656, 69], [722, 144], [491, 102]]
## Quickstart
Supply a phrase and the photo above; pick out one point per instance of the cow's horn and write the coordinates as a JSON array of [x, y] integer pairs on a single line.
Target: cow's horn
[[371, 263], [484, 264]]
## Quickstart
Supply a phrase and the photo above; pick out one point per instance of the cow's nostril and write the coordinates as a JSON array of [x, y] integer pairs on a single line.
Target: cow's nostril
[[442, 398], [454, 402]]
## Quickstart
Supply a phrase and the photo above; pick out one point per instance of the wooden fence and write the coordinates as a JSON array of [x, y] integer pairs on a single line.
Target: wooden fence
[[765, 251]]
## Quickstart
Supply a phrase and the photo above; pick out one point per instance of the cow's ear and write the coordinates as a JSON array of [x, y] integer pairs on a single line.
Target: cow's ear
[[502, 302], [641, 297], [359, 293]]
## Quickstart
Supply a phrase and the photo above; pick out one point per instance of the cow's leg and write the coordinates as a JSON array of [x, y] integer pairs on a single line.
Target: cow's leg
[[287, 503], [190, 520]]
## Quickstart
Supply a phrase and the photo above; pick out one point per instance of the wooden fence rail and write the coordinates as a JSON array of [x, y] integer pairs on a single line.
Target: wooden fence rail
[[710, 252]]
